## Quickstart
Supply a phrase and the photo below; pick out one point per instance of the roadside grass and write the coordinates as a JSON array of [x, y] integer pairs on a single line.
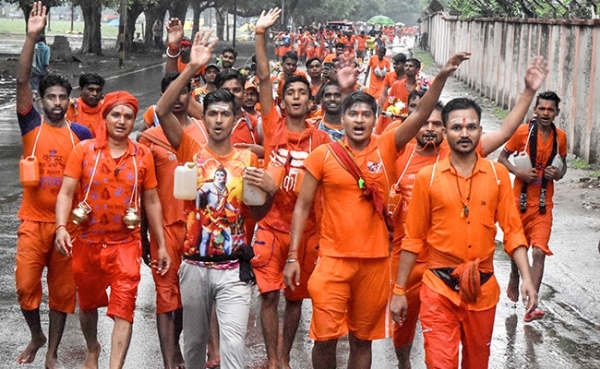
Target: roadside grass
[[56, 27]]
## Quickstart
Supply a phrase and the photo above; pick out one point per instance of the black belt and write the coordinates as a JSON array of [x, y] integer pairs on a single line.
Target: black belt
[[445, 274], [211, 259]]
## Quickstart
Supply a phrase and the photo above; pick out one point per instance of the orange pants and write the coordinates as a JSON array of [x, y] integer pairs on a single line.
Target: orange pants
[[537, 227], [97, 266], [350, 295], [446, 326], [35, 250], [406, 334], [168, 297], [270, 253]]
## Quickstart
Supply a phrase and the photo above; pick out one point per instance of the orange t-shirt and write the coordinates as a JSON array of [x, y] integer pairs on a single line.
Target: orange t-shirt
[[82, 113], [52, 151], [390, 78], [350, 226], [288, 149], [544, 150], [150, 117], [434, 218], [381, 67], [165, 162], [215, 220], [244, 131], [280, 80], [112, 186], [361, 42]]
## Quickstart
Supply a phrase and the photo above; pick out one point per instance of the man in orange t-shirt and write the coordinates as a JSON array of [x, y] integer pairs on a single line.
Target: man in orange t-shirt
[[398, 62], [168, 299], [354, 237], [379, 66], [546, 147], [398, 94], [361, 46], [49, 140], [85, 109], [289, 139], [109, 176], [216, 255], [455, 205]]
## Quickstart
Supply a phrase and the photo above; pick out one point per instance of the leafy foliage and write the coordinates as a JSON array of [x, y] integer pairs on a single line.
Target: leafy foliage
[[554, 9]]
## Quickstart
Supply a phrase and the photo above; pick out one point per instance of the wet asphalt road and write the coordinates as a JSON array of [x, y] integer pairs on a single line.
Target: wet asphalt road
[[568, 337]]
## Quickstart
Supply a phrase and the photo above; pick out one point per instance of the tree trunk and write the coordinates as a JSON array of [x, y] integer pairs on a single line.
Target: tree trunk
[[220, 17], [196, 18], [92, 34], [153, 12], [133, 12]]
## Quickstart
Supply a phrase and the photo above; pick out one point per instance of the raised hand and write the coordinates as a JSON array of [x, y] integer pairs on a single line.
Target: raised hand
[[347, 73], [37, 19], [202, 48], [453, 63], [267, 20], [536, 73], [174, 31]]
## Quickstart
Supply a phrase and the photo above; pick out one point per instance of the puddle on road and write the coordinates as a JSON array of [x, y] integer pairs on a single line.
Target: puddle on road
[[8, 90]]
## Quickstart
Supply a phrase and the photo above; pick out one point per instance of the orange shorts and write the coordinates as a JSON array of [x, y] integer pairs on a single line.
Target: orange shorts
[[537, 228], [350, 295], [406, 334], [446, 326], [98, 266], [168, 297], [35, 250], [270, 253]]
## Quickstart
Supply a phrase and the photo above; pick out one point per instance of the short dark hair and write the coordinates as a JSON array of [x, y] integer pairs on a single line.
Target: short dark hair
[[91, 79], [54, 79], [357, 97], [230, 50], [340, 44], [219, 95], [460, 103], [547, 95], [294, 79], [399, 58], [321, 91], [170, 77], [226, 75], [415, 93], [290, 55], [309, 61], [414, 61]]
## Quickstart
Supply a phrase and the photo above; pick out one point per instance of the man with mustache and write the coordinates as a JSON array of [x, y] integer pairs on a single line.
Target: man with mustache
[[455, 205], [48, 139], [331, 122], [85, 109], [546, 147]]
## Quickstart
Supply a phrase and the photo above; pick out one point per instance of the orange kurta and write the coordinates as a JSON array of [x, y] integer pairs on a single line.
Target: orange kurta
[[434, 217], [82, 113]]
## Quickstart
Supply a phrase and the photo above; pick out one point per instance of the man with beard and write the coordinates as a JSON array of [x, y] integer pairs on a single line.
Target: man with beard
[[398, 94], [168, 299], [85, 109], [546, 147], [455, 205], [47, 140], [331, 122], [228, 58], [289, 139]]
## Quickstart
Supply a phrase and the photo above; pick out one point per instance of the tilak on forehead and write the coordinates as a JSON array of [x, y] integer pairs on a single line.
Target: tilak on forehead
[[112, 100], [220, 107], [463, 121]]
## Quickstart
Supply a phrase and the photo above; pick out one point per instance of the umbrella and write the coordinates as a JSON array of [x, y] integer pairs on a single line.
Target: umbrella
[[400, 24], [381, 20], [115, 22]]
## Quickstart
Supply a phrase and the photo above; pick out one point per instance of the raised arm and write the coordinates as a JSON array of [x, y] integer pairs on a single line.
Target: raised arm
[[262, 60], [534, 78], [35, 26], [407, 130], [174, 36], [199, 56]]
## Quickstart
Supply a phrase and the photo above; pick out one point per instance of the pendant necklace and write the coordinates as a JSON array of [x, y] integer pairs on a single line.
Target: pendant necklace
[[465, 210]]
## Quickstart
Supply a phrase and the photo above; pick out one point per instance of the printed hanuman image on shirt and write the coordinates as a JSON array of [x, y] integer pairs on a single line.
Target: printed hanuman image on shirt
[[215, 223]]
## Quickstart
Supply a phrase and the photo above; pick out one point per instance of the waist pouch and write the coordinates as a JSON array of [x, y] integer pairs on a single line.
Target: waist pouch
[[244, 254], [445, 274]]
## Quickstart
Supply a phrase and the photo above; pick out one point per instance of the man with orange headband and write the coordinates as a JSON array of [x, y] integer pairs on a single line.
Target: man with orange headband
[[109, 175], [48, 140]]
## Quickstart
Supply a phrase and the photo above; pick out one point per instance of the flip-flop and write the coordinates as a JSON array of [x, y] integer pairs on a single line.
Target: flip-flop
[[214, 364], [535, 315]]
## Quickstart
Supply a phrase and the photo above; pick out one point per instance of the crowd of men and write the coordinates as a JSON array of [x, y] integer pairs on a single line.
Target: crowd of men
[[376, 230]]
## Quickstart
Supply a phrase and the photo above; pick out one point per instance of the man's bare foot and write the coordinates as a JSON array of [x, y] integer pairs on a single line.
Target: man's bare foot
[[272, 364], [512, 291], [52, 363], [28, 355], [91, 358]]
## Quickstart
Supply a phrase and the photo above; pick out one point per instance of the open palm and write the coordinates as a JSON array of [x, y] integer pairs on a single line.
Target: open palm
[[202, 48], [174, 31], [536, 73], [37, 19], [267, 20]]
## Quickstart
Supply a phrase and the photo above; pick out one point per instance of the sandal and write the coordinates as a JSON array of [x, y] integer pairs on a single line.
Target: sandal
[[535, 315], [214, 364]]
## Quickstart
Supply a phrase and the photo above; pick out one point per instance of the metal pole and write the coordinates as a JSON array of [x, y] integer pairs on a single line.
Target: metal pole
[[234, 21], [122, 21], [72, 15], [283, 15]]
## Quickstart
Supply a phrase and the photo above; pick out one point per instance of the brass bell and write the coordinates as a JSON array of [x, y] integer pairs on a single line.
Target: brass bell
[[81, 213], [131, 219]]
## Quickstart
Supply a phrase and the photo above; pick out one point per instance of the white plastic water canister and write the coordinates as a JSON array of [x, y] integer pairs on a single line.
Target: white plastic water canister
[[252, 195], [185, 184]]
